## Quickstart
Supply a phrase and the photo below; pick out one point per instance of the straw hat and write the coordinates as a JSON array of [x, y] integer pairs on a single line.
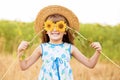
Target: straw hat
[[56, 9]]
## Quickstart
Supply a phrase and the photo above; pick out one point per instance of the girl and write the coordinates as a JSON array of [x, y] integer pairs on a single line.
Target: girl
[[57, 47]]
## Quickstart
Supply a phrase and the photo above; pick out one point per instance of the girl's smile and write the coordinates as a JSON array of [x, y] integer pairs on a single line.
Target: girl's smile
[[55, 36], [55, 33]]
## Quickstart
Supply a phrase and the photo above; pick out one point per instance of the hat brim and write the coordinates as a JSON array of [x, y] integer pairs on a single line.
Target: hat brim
[[56, 9]]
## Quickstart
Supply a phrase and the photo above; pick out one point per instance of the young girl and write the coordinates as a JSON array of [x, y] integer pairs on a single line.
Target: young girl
[[57, 45]]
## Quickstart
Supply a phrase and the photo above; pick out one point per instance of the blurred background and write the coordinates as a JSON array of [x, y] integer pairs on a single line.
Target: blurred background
[[99, 21]]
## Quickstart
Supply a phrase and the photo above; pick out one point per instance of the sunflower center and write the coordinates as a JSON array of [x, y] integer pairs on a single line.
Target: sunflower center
[[61, 26], [49, 26]]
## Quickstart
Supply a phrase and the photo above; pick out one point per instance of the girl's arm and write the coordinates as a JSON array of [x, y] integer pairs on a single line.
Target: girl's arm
[[84, 60], [25, 64]]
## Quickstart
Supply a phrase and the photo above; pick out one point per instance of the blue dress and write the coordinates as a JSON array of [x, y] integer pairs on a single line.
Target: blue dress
[[56, 58]]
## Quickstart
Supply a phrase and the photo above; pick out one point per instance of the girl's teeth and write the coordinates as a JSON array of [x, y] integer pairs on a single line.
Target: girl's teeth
[[55, 33]]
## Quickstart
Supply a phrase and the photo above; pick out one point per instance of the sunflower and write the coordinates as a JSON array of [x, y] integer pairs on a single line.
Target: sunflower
[[48, 25], [61, 26]]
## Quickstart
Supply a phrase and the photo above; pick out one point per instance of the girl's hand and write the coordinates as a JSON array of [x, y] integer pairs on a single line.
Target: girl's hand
[[96, 46], [23, 46]]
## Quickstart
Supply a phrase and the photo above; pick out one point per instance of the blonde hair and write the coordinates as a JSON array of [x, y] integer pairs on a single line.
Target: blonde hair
[[68, 37]]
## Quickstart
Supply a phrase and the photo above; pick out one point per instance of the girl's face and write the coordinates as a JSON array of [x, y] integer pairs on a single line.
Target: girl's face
[[55, 31]]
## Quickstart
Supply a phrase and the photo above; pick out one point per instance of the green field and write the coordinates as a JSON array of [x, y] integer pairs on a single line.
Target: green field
[[13, 32]]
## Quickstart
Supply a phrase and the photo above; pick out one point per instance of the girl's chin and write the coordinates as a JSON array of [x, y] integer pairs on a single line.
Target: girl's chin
[[55, 39]]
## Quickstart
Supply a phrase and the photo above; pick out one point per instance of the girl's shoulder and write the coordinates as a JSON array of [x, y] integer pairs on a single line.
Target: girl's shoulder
[[43, 45], [69, 44]]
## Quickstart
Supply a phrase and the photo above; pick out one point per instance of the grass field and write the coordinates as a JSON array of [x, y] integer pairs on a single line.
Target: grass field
[[102, 71], [13, 32]]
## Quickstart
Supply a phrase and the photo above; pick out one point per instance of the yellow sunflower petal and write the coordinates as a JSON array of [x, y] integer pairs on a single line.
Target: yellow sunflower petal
[[48, 25], [61, 26]]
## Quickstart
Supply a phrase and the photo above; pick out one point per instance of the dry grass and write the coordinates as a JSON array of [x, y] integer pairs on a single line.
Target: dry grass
[[102, 71]]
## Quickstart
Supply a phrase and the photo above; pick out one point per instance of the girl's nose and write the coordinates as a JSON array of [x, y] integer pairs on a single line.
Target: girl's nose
[[54, 29]]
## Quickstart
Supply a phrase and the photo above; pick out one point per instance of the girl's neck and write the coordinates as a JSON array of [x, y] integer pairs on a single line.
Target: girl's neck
[[55, 42]]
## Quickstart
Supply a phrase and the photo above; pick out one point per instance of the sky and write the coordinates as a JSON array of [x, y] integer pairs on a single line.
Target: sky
[[87, 11]]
